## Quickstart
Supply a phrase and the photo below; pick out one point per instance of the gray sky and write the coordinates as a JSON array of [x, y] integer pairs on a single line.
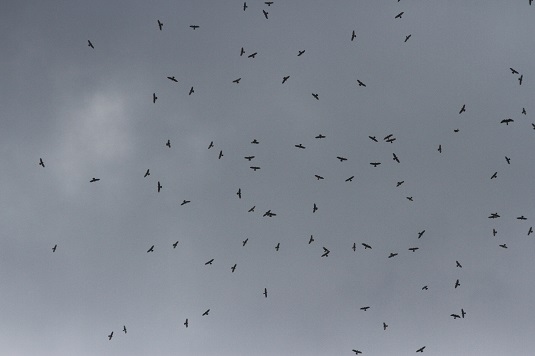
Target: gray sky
[[89, 113]]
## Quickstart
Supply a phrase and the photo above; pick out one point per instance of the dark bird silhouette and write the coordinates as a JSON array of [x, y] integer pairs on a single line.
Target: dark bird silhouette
[[300, 53], [439, 148], [392, 254], [211, 144], [175, 244], [242, 52], [147, 173], [356, 351], [391, 140], [249, 158], [186, 323], [41, 163], [409, 198], [421, 349], [254, 168], [494, 216], [314, 208], [375, 164], [508, 160], [507, 121], [300, 146], [94, 180], [398, 16], [350, 179], [513, 71], [90, 44], [220, 154], [458, 264], [252, 209], [530, 231], [421, 233], [524, 111], [209, 262], [311, 239], [457, 284], [341, 158], [533, 125], [455, 130], [154, 98], [244, 6], [54, 248], [194, 27], [124, 329], [364, 308], [425, 288], [278, 246], [255, 142], [361, 84], [395, 158], [191, 91], [265, 292], [284, 79], [269, 214], [387, 137], [253, 55], [463, 313], [233, 268], [384, 326], [325, 252], [184, 202], [168, 143], [462, 109], [407, 37], [316, 96], [494, 175], [353, 35], [494, 232], [268, 3], [522, 217], [413, 249], [238, 193], [503, 246], [237, 81], [455, 316], [245, 241], [159, 186], [400, 183], [373, 138], [520, 79], [366, 246], [354, 246], [110, 336], [160, 25], [318, 177], [265, 14], [206, 312], [151, 249]]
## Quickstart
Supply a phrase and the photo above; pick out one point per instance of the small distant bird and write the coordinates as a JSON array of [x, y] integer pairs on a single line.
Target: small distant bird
[[265, 292], [268, 3], [356, 351], [533, 125], [398, 16], [316, 96], [245, 241], [392, 254], [425, 288], [94, 180], [494, 232], [400, 183], [194, 27], [186, 323], [249, 158], [407, 37], [151, 249], [375, 164], [522, 217], [364, 308], [409, 198], [255, 142], [413, 249], [353, 35], [191, 91], [513, 71], [90, 44], [251, 210], [458, 264], [211, 144], [384, 326], [110, 336], [175, 244], [254, 168], [159, 186], [421, 233], [439, 148], [220, 154], [463, 313], [206, 312], [395, 158], [421, 349], [168, 144], [253, 55], [244, 6], [154, 98], [341, 158], [373, 138], [311, 239], [507, 121], [284, 79], [524, 111], [278, 246], [318, 177], [520, 79], [314, 208], [455, 316], [54, 248], [233, 268], [209, 262], [147, 173], [463, 109], [124, 328], [508, 160], [269, 214], [503, 246], [354, 246], [320, 136], [455, 130], [494, 216], [350, 179], [530, 231], [387, 137], [494, 175], [160, 25], [237, 81], [41, 163], [265, 14], [361, 84], [238, 193], [242, 52], [457, 284], [300, 53], [325, 252], [184, 202], [300, 146], [366, 246]]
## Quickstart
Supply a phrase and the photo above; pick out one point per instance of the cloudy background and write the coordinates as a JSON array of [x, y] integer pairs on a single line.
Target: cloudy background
[[89, 113]]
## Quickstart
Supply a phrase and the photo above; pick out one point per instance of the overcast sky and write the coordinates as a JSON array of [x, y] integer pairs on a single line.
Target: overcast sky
[[89, 113]]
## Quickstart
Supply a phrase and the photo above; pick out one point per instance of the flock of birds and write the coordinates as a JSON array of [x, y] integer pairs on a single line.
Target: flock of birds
[[269, 213]]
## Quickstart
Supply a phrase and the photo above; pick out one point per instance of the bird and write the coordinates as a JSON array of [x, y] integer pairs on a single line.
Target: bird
[[395, 158], [457, 284], [242, 52], [458, 264], [314, 208], [391, 140], [147, 173], [168, 143], [421, 349], [400, 183], [520, 79], [494, 232], [398, 16], [439, 148], [124, 328], [244, 6], [421, 233], [365, 308], [462, 109], [160, 25], [186, 323], [253, 55], [375, 164], [284, 79], [350, 179], [269, 213], [300, 146], [254, 168], [494, 216], [194, 27], [385, 325], [522, 217], [191, 91], [508, 160], [175, 244], [392, 254], [154, 98], [206, 312], [513, 71], [90, 44], [54, 248], [233, 268], [94, 180], [251, 210], [209, 262], [387, 137], [409, 198], [325, 252], [407, 37], [255, 142], [316, 96], [494, 175], [356, 351], [265, 14], [320, 136], [413, 249], [238, 193], [361, 84], [463, 313], [278, 246], [265, 292], [220, 154], [41, 163], [245, 241], [185, 202], [354, 246], [373, 138], [159, 186], [507, 121], [425, 288], [249, 158], [341, 158], [318, 177], [455, 316], [503, 246], [311, 239], [353, 35], [211, 144], [151, 249], [300, 53], [268, 3], [530, 231], [533, 125], [524, 111], [237, 81], [366, 246], [110, 336]]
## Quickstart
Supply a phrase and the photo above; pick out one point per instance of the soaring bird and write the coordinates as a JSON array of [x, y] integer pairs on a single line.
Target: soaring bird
[[124, 328], [194, 27], [439, 148], [398, 16], [458, 264], [284, 79], [252, 209], [233, 268], [513, 71], [325, 252], [361, 84], [209, 262], [364, 308], [255, 142], [278, 246], [494, 175], [463, 109], [154, 98], [41, 163], [463, 313], [508, 160], [147, 173], [184, 202], [314, 208], [341, 158], [375, 164], [90, 44], [400, 183], [457, 284], [311, 239], [110, 336], [254, 168], [244, 242], [238, 193], [353, 35], [421, 233], [249, 158], [265, 292], [206, 312], [384, 326], [54, 248], [244, 6], [220, 154], [173, 79], [300, 53], [186, 323], [503, 246], [395, 158], [252, 55], [316, 96], [373, 138], [392, 254], [175, 244], [265, 14], [168, 143], [191, 91], [524, 111], [242, 52], [350, 179], [366, 246], [520, 79], [159, 186], [413, 249], [160, 25], [421, 349], [151, 249], [318, 177], [407, 37], [94, 180], [300, 146], [356, 351], [211, 144], [237, 81]]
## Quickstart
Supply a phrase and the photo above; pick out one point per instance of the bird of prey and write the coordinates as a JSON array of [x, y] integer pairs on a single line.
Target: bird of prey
[[54, 248], [455, 316], [513, 71], [507, 121], [94, 180], [252, 209], [206, 312], [124, 328], [462, 109], [520, 79], [194, 27], [265, 14], [311, 239], [300, 146], [278, 246], [375, 164], [318, 177], [508, 160], [191, 91], [425, 288], [533, 125], [255, 141], [392, 254], [242, 52], [354, 246], [400, 183], [237, 81], [154, 98], [175, 244], [41, 163], [353, 35], [209, 262], [233, 268], [524, 111], [269, 214], [457, 284], [300, 53], [244, 241], [350, 179], [421, 349], [220, 154], [110, 336], [320, 136], [211, 144], [421, 233], [151, 249], [244, 6], [373, 138], [494, 232], [361, 84], [522, 217], [458, 264], [252, 55], [314, 208], [268, 3], [238, 193], [391, 140], [494, 216], [186, 323], [413, 249], [159, 186], [325, 252], [398, 16], [530, 231], [284, 79], [439, 148], [341, 158], [90, 44], [249, 158], [395, 158], [356, 351], [366, 246], [168, 144], [494, 175], [160, 25], [463, 313], [385, 325], [364, 308], [184, 202], [254, 168], [503, 246], [407, 37], [316, 96], [265, 292], [387, 137], [409, 198]]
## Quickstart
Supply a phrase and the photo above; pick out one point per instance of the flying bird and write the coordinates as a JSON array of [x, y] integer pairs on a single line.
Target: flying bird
[[154, 98], [341, 158], [151, 249], [211, 144], [356, 351], [265, 14], [503, 246], [300, 146], [255, 142], [320, 136], [494, 232], [375, 164], [238, 193], [168, 144], [384, 326], [522, 217], [237, 81], [110, 336], [530, 231], [185, 202], [366, 246], [94, 180], [245, 241], [54, 248], [421, 233], [265, 292], [373, 138], [159, 186], [209, 262], [421, 349], [186, 323], [458, 264], [439, 148], [194, 27], [249, 158], [353, 35], [269, 214], [400, 183], [494, 216], [364, 308], [391, 140], [392, 254], [284, 79], [457, 284], [160, 25], [311, 239], [316, 96], [508, 160], [206, 312], [354, 246], [361, 84], [407, 37], [253, 55], [513, 71], [147, 173], [520, 79], [350, 179], [300, 53], [398, 16], [191, 91], [233, 268], [268, 3], [318, 177], [278, 246], [242, 52], [455, 316], [175, 244], [41, 163], [395, 158], [524, 111], [244, 6], [254, 168], [325, 252], [413, 249], [425, 288], [409, 198], [90, 44], [252, 209], [314, 208], [220, 154], [507, 121], [494, 175], [463, 313], [124, 328], [463, 109]]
